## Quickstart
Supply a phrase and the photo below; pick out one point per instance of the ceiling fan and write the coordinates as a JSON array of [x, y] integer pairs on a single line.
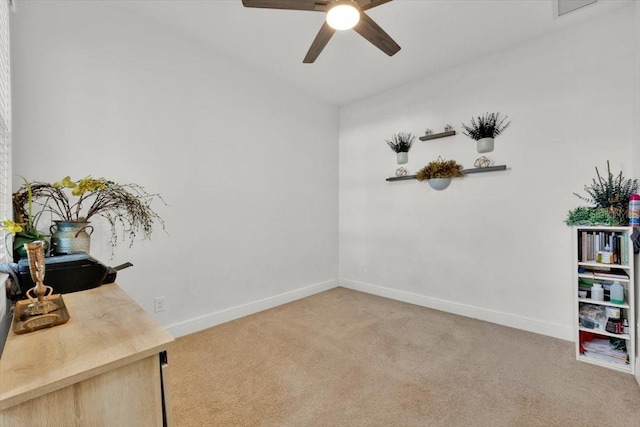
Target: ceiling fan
[[341, 15]]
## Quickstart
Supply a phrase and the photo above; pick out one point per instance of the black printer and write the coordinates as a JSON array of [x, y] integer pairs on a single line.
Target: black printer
[[69, 273]]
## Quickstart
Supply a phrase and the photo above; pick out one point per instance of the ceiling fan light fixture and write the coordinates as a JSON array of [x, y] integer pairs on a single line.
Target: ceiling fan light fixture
[[343, 15]]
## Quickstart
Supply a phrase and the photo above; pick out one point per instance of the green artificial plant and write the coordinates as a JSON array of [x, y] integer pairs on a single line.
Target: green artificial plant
[[583, 215], [611, 193], [489, 125], [401, 142]]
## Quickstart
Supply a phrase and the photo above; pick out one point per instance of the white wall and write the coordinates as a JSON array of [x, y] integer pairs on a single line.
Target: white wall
[[110, 94], [247, 165], [492, 245], [636, 147]]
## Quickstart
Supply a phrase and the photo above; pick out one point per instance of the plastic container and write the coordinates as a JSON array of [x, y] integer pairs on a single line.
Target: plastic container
[[634, 210], [616, 293], [614, 326], [597, 293], [612, 312]]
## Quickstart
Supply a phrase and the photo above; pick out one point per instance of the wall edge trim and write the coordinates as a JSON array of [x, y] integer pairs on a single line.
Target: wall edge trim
[[518, 322], [216, 318]]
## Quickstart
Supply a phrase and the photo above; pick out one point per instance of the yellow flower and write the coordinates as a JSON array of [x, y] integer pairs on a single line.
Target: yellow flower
[[65, 183], [88, 185], [11, 227]]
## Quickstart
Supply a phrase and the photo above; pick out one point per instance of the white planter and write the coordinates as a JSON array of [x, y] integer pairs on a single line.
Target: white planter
[[485, 145], [403, 157], [439, 183]]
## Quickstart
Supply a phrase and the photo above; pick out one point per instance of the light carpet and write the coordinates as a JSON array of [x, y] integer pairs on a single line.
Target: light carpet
[[346, 358]]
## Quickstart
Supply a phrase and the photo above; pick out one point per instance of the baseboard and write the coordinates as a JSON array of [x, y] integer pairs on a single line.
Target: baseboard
[[209, 320], [518, 322]]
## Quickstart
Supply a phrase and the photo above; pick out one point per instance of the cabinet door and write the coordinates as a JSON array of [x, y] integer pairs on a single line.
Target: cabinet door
[[127, 396]]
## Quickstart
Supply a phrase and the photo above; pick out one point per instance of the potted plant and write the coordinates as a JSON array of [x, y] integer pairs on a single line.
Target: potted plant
[[24, 228], [439, 172], [583, 215], [611, 194], [401, 144], [71, 204], [484, 129]]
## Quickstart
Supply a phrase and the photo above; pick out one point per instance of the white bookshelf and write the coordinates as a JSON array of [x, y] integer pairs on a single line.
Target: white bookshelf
[[584, 266]]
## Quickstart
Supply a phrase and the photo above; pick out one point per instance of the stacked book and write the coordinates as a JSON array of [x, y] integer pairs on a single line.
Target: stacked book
[[610, 274], [600, 349]]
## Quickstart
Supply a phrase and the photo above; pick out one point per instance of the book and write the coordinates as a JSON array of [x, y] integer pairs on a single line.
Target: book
[[611, 274]]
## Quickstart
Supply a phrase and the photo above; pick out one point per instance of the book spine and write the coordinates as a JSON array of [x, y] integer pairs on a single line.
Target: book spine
[[579, 243], [611, 238]]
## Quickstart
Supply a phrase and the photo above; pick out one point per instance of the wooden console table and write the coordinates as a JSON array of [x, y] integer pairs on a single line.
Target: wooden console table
[[104, 367]]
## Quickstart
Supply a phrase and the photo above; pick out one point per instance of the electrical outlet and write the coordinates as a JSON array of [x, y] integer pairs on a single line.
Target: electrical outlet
[[158, 304]]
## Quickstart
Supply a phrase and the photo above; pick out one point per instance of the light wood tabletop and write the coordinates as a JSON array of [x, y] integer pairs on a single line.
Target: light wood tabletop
[[107, 330]]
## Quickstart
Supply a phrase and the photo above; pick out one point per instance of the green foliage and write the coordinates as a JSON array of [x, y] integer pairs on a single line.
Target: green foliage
[[488, 125], [126, 207], [612, 193], [440, 168], [401, 143], [589, 216]]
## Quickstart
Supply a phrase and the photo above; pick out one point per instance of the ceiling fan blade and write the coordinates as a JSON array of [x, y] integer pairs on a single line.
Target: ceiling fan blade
[[371, 31], [321, 40], [313, 5], [368, 4]]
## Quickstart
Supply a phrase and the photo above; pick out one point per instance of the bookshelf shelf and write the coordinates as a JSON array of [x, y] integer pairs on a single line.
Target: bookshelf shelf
[[588, 241], [602, 267], [605, 333], [610, 365], [602, 279], [605, 303]]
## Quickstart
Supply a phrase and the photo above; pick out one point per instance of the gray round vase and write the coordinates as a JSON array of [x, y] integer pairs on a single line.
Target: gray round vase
[[439, 183], [70, 236]]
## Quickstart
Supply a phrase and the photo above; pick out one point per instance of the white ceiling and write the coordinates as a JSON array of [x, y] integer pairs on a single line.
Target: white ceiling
[[434, 35]]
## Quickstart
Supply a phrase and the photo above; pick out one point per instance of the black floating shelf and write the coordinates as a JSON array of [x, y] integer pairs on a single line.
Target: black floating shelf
[[437, 135], [487, 169], [466, 171], [401, 178]]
